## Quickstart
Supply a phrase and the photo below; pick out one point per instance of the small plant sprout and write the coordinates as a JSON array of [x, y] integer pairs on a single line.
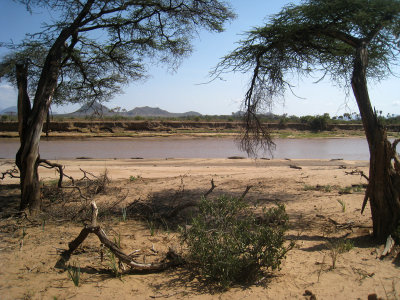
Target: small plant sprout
[[112, 261], [152, 227], [133, 178], [338, 247], [21, 242], [74, 273], [117, 240], [342, 204], [123, 210]]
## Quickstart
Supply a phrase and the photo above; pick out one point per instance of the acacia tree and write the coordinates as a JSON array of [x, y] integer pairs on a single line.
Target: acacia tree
[[350, 41], [91, 50]]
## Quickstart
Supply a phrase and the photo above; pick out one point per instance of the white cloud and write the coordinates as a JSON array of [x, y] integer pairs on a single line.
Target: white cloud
[[6, 87], [396, 103]]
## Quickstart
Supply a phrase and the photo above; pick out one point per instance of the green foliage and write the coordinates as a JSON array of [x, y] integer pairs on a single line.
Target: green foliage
[[352, 189], [337, 247], [345, 190], [152, 227], [124, 211], [133, 35], [113, 264], [117, 240], [313, 36], [228, 244], [342, 204], [74, 273], [283, 121], [317, 123], [323, 188], [133, 178]]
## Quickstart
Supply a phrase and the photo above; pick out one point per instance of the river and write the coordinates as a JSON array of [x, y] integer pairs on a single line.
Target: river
[[324, 148]]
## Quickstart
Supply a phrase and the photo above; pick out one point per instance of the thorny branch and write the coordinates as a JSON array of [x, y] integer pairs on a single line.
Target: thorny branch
[[10, 172], [358, 172], [60, 169]]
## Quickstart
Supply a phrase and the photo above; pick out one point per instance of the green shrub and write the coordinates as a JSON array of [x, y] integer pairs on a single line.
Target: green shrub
[[228, 244], [317, 123]]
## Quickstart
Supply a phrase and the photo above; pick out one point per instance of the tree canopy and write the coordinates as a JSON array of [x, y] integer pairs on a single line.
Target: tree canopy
[[88, 52], [350, 41], [107, 43], [316, 35]]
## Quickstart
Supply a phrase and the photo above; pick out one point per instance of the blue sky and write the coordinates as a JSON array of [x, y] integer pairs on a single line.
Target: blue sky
[[182, 91]]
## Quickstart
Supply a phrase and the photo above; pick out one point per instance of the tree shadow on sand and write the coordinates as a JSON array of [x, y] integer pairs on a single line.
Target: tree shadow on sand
[[9, 199]]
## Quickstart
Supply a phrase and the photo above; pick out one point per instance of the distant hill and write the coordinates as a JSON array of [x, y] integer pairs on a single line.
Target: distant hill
[[145, 111], [92, 109], [12, 110]]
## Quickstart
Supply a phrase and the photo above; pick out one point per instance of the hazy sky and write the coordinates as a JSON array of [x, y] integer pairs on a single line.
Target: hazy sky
[[183, 90]]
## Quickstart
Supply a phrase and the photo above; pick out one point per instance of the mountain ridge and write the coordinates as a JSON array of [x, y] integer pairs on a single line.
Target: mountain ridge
[[142, 111], [11, 110]]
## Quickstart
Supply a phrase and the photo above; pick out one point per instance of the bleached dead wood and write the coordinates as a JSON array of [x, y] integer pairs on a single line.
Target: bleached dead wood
[[388, 246]]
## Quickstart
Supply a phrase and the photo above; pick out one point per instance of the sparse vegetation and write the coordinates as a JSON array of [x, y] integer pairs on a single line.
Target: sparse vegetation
[[323, 188], [134, 178], [337, 247], [342, 204], [357, 188], [113, 264], [152, 227], [228, 244], [316, 225], [123, 211], [74, 273]]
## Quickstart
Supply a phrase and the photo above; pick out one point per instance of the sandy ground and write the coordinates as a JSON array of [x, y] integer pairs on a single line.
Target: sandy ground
[[312, 193]]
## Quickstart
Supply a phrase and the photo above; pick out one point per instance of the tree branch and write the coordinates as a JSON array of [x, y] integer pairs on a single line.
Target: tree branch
[[344, 37], [10, 172], [170, 260]]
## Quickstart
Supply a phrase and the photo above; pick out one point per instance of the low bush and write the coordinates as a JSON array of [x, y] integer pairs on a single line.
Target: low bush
[[317, 123], [227, 243]]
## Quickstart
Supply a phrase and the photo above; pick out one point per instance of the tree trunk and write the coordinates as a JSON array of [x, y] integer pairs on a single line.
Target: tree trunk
[[31, 119], [27, 158], [384, 180]]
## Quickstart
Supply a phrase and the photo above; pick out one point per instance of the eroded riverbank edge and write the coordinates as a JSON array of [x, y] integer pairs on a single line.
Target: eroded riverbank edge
[[184, 129]]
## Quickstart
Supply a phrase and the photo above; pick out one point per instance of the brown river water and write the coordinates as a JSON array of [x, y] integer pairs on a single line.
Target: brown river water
[[326, 148]]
